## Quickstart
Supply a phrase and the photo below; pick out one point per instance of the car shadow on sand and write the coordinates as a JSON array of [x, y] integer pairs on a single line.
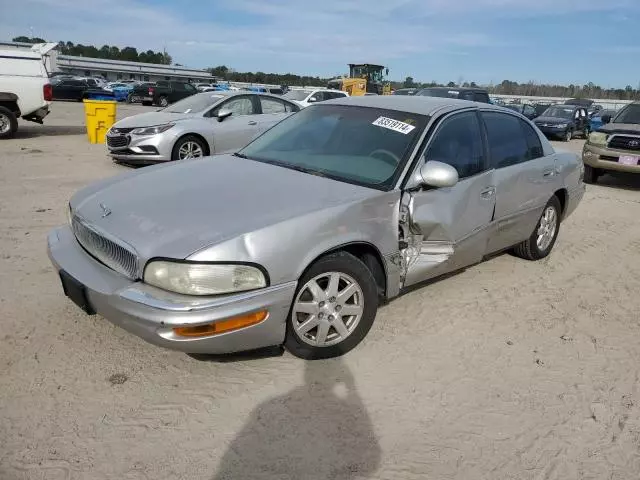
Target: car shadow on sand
[[622, 181], [318, 430], [49, 131]]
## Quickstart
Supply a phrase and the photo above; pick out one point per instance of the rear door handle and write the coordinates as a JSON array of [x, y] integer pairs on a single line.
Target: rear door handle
[[488, 192], [549, 173], [252, 122]]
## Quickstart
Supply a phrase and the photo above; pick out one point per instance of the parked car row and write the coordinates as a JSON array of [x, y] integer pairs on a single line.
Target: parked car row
[[296, 237], [203, 124]]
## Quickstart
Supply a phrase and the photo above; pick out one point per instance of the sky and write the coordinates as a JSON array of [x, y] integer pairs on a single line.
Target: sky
[[486, 41]]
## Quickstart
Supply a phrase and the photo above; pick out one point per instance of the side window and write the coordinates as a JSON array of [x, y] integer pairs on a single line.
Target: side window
[[534, 147], [190, 88], [239, 106], [583, 113], [507, 142], [179, 87], [458, 142], [577, 115], [271, 105], [482, 97], [319, 96]]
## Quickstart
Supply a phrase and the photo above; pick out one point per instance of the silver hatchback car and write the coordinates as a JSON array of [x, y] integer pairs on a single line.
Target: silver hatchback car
[[200, 125], [295, 239]]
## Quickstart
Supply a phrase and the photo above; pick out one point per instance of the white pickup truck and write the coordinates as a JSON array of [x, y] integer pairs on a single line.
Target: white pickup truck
[[24, 86]]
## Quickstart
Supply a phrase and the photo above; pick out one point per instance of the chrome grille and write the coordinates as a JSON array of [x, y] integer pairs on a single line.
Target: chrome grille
[[112, 254], [117, 141]]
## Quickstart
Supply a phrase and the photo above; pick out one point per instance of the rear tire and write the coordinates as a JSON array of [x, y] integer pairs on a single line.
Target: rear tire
[[320, 289], [544, 236], [8, 123], [590, 174]]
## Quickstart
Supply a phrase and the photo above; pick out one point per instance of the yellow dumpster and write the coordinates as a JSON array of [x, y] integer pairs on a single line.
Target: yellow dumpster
[[99, 116]]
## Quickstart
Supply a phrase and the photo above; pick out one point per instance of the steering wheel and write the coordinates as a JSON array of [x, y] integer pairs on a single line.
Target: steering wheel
[[386, 155]]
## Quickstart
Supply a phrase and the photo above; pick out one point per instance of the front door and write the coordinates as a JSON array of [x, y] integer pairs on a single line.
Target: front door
[[235, 131], [447, 228]]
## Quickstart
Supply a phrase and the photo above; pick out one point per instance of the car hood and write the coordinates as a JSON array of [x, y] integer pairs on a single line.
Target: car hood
[[552, 120], [175, 210], [621, 128], [150, 119]]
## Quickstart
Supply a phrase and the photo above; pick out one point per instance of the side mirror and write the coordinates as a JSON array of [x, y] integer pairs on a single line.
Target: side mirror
[[438, 174], [312, 99], [606, 119], [224, 113]]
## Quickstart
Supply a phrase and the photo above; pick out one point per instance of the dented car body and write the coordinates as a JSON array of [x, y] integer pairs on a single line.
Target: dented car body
[[413, 188]]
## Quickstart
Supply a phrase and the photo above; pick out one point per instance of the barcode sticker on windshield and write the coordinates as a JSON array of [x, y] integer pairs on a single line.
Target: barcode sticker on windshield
[[395, 125]]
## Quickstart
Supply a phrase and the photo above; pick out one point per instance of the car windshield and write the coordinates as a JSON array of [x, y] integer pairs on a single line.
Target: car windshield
[[515, 108], [558, 112], [297, 95], [360, 145], [629, 114], [194, 103]]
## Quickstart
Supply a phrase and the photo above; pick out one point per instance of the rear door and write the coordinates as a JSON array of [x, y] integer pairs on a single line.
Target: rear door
[[235, 131], [524, 177], [447, 228], [272, 111]]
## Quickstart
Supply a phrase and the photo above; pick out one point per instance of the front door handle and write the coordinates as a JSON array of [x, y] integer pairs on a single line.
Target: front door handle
[[252, 122], [488, 192], [549, 173]]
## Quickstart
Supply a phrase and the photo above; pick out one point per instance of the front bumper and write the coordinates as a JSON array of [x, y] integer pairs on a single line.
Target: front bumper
[[605, 158], [553, 131], [151, 313], [144, 149]]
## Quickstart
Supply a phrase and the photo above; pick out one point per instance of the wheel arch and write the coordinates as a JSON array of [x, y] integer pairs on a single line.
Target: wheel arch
[[563, 197], [367, 253]]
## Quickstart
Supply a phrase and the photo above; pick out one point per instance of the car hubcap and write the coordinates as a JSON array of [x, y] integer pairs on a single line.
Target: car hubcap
[[327, 309], [5, 123], [547, 228], [189, 150], [163, 102]]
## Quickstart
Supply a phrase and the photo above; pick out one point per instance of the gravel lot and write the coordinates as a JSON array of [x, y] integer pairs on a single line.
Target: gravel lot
[[509, 370]]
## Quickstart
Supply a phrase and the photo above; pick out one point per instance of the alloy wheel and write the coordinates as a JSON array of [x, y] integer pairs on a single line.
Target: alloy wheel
[[547, 228], [190, 149], [327, 309], [5, 123]]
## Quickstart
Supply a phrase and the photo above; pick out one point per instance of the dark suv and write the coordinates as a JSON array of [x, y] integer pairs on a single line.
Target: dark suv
[[564, 122], [164, 92], [472, 94]]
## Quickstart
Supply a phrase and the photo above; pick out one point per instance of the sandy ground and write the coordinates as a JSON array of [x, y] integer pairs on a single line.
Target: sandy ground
[[509, 370]]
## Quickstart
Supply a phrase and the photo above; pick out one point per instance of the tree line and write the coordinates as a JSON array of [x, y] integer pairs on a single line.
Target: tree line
[[534, 89], [290, 79], [110, 52]]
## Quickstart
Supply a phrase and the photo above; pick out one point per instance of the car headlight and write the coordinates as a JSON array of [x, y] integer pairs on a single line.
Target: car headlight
[[156, 129], [598, 138], [562, 125], [203, 278]]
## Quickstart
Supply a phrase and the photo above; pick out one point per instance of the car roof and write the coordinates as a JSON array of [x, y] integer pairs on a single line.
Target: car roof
[[411, 104], [236, 93]]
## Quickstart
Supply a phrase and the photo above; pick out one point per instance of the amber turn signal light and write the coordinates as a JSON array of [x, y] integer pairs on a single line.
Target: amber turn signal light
[[223, 326]]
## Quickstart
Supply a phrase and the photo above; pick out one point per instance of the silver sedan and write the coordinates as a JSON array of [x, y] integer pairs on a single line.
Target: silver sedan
[[296, 238], [197, 126]]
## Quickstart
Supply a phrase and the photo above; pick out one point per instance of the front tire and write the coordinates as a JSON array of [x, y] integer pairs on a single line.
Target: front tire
[[590, 174], [333, 309], [8, 123], [189, 147], [544, 236], [568, 135], [163, 102]]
